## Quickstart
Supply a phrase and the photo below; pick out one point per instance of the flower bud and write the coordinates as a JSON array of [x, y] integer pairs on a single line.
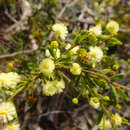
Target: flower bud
[[112, 27], [97, 30], [94, 102], [115, 67], [47, 53], [75, 69], [75, 100], [54, 44]]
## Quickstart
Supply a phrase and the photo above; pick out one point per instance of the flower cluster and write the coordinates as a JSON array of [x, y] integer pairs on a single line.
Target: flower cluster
[[97, 30], [95, 54], [112, 27], [53, 87], [94, 102], [10, 79], [60, 30], [75, 69], [7, 112], [117, 119], [47, 66]]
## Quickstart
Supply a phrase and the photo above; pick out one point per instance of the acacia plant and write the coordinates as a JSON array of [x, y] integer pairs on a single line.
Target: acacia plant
[[77, 63]]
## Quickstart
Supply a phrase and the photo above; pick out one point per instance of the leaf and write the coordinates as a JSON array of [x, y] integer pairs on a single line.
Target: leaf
[[106, 71], [125, 121], [3, 95], [116, 77], [99, 118], [113, 41], [115, 94], [123, 96]]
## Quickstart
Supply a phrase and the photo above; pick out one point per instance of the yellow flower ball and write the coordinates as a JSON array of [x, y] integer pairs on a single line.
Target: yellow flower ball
[[47, 66], [75, 100], [97, 30], [60, 85], [60, 30], [94, 102], [76, 69], [95, 54], [117, 119], [54, 44], [7, 112], [10, 65], [53, 87], [10, 79], [112, 27]]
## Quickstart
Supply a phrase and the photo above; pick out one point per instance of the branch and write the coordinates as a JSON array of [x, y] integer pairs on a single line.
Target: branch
[[26, 13], [34, 48]]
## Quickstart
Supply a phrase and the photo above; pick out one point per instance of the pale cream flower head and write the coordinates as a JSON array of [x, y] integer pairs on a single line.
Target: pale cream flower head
[[7, 112], [76, 69], [97, 30], [94, 102], [95, 54], [117, 119], [47, 66], [53, 87], [60, 29], [112, 27], [10, 79]]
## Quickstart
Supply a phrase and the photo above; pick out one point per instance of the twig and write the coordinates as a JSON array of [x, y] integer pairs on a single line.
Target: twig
[[34, 48], [17, 53], [98, 74], [52, 112], [26, 12], [66, 77], [10, 17]]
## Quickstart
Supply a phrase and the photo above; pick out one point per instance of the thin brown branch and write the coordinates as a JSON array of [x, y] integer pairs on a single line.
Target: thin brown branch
[[16, 53], [26, 12], [34, 48]]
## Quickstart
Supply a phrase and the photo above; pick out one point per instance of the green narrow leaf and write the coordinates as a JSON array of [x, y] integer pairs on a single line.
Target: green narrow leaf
[[115, 94], [123, 96], [99, 118], [3, 95], [106, 71], [116, 77], [113, 41]]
